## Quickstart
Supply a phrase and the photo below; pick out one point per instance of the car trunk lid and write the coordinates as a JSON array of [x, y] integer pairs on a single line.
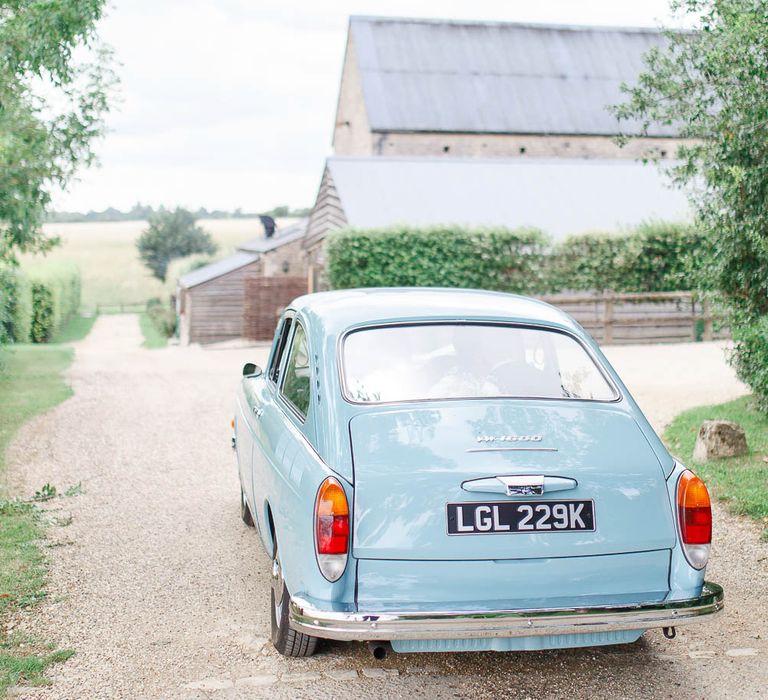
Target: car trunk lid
[[411, 462]]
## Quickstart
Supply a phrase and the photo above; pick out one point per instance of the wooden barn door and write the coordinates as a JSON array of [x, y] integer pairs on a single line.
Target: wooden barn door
[[265, 299]]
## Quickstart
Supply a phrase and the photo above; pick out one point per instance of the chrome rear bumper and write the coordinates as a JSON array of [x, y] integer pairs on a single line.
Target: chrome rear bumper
[[386, 626]]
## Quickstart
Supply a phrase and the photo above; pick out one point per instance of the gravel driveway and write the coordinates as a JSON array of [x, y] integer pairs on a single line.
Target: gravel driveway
[[163, 592]]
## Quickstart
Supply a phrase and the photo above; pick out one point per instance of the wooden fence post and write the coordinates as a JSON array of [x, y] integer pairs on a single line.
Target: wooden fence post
[[608, 319], [708, 325], [694, 318]]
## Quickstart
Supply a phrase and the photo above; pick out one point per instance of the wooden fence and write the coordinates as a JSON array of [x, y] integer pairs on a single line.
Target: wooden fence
[[264, 300], [658, 317]]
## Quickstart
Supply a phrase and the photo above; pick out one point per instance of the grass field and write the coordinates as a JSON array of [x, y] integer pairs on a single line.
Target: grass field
[[31, 382], [75, 329], [741, 482], [106, 254]]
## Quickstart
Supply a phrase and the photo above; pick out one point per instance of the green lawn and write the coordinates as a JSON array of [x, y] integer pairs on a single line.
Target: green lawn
[[741, 482], [31, 382], [75, 329], [153, 338]]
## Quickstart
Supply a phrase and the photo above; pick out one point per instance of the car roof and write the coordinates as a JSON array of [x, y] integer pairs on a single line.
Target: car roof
[[341, 310]]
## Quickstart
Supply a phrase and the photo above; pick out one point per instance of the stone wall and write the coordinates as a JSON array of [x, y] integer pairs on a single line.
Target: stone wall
[[517, 146], [351, 133], [288, 259]]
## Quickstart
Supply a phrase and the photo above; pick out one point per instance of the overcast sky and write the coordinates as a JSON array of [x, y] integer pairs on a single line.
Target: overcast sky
[[230, 103]]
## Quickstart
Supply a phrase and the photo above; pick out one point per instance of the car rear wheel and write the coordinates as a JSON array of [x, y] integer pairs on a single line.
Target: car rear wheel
[[286, 640], [245, 511]]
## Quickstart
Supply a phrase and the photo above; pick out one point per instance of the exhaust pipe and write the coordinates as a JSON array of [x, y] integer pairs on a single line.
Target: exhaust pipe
[[379, 650]]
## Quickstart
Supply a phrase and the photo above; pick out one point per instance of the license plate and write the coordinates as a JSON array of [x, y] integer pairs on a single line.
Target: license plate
[[505, 517]]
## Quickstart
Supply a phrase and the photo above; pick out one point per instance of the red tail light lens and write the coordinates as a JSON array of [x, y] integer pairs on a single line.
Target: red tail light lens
[[331, 518], [694, 512]]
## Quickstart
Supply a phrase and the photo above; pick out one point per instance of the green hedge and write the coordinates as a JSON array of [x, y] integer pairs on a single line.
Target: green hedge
[[653, 257], [15, 306], [509, 260], [750, 356], [55, 298]]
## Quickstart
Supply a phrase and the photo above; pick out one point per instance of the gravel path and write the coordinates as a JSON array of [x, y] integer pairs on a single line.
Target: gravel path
[[163, 592]]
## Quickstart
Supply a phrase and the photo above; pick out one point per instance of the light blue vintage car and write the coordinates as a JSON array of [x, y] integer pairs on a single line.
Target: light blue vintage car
[[455, 470]]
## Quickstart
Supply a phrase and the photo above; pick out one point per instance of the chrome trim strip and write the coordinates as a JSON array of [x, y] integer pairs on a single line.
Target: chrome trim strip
[[512, 449], [367, 626]]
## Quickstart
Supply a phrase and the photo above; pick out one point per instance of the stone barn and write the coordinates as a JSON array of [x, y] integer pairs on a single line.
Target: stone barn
[[426, 87], [489, 123], [213, 301]]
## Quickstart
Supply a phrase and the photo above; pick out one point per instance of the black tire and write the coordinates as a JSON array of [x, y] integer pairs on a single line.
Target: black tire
[[245, 511], [285, 639]]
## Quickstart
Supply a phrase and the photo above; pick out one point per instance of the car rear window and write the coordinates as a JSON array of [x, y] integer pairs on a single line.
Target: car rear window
[[468, 361]]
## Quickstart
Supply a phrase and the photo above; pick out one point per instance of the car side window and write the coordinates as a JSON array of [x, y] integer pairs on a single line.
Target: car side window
[[296, 380], [282, 341]]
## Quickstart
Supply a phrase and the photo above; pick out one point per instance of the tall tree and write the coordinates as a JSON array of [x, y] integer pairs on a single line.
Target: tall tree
[[713, 83], [172, 234], [55, 88]]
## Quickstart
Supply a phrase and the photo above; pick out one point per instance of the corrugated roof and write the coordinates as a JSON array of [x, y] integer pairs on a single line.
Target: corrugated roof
[[247, 253], [217, 269], [495, 77], [559, 196], [291, 233]]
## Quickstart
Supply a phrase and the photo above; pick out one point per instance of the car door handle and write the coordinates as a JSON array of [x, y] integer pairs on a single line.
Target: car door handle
[[520, 484], [258, 411]]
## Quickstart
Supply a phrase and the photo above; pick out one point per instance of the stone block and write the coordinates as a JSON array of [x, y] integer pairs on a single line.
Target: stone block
[[718, 439]]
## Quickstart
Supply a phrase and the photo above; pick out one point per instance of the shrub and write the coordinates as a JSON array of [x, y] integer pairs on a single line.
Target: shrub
[[55, 298], [663, 256], [502, 259], [652, 257], [43, 326], [163, 317], [15, 306], [750, 356], [591, 261]]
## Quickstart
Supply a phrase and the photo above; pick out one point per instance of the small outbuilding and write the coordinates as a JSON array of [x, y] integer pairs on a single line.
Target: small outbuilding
[[560, 196], [212, 301]]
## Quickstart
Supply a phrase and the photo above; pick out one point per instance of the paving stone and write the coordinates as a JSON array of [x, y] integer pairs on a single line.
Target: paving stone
[[701, 654], [255, 681], [210, 684], [742, 652], [299, 677], [251, 641], [342, 675]]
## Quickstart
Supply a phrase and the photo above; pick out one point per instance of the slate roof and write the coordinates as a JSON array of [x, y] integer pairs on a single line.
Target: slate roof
[[248, 252], [497, 77], [216, 269], [291, 233], [561, 196]]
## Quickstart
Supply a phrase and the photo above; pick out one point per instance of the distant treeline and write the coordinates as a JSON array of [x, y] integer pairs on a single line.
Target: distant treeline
[[141, 212]]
